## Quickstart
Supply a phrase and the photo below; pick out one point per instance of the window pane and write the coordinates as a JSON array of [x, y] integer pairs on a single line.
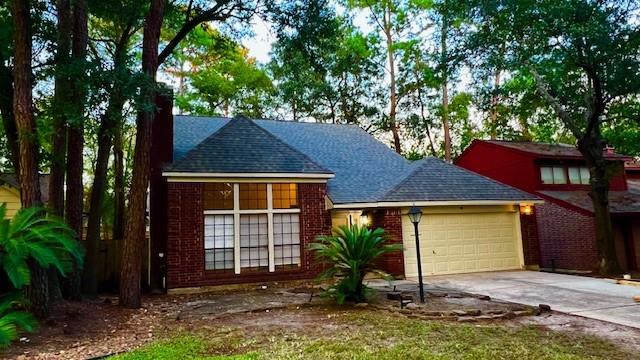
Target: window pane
[[218, 196], [218, 242], [286, 238], [285, 196], [546, 174], [253, 196], [254, 241], [585, 175], [574, 175], [559, 176]]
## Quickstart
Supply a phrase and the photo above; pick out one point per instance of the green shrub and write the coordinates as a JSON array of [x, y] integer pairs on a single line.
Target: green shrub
[[32, 235], [351, 253]]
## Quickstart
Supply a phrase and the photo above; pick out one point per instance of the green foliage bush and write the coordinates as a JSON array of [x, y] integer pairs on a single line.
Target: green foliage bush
[[351, 253], [32, 235]]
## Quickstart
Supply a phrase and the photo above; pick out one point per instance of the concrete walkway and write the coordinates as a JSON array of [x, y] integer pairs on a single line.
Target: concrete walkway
[[600, 299]]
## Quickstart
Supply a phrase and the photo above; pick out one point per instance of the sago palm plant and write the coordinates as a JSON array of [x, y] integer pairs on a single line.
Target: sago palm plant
[[351, 253], [32, 235]]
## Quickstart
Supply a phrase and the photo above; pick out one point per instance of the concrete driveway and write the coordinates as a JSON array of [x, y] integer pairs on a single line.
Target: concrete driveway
[[600, 299]]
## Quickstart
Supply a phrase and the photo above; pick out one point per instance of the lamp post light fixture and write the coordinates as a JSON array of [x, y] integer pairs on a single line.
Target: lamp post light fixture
[[415, 214]]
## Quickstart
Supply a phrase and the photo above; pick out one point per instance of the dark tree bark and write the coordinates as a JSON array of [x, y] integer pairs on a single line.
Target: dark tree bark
[[118, 184], [134, 239], [75, 135], [6, 109], [61, 101], [592, 147], [38, 290]]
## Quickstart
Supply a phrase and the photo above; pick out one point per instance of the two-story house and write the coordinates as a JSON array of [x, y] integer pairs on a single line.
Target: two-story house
[[564, 224]]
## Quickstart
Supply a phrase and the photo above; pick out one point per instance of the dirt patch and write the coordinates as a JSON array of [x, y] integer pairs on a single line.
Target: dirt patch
[[90, 329], [624, 336]]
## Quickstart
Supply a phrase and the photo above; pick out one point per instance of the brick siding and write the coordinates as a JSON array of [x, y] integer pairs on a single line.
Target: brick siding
[[391, 221], [566, 237], [530, 242], [185, 243]]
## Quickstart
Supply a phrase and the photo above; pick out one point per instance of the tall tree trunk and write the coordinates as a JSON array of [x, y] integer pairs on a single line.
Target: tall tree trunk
[[393, 96], [110, 121], [495, 100], [432, 148], [75, 142], [134, 239], [8, 118], [62, 100], [592, 147], [118, 183], [444, 62], [38, 290]]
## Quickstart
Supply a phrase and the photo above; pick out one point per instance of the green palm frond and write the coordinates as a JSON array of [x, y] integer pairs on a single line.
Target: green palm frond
[[351, 253], [12, 321], [34, 234]]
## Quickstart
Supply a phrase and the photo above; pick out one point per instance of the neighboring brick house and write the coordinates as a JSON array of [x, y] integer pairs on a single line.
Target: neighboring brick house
[[564, 230], [239, 200]]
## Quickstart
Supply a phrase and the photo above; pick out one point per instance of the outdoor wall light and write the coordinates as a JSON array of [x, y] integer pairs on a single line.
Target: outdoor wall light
[[364, 218], [526, 209]]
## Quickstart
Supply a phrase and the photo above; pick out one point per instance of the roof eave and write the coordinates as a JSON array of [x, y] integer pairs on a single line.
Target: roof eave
[[427, 203], [183, 174]]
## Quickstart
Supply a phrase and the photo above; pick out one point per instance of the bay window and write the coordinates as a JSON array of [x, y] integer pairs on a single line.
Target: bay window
[[251, 226]]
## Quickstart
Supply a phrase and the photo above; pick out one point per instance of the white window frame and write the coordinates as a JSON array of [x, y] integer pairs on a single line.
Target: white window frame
[[236, 212], [554, 179]]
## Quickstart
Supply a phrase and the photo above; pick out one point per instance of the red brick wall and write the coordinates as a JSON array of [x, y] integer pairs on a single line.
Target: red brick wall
[[391, 221], [567, 237], [185, 244], [530, 244]]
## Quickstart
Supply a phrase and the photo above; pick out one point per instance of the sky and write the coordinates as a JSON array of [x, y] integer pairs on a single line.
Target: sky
[[259, 45]]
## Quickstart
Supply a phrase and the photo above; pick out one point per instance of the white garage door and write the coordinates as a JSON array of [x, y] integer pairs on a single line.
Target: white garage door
[[464, 242]]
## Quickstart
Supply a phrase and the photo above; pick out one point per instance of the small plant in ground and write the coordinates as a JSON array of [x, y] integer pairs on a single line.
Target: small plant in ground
[[351, 253], [32, 235]]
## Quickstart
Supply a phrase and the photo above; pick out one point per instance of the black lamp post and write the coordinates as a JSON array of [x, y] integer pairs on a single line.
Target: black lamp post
[[415, 214]]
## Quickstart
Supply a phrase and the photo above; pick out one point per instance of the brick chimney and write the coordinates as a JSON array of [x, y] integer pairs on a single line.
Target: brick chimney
[[161, 156], [609, 150]]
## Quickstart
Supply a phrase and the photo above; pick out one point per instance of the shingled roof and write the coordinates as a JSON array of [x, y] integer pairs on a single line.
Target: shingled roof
[[620, 202], [240, 146], [365, 169], [436, 180], [550, 150]]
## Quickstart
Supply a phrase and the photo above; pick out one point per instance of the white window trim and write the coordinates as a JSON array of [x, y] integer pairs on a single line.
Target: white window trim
[[236, 212]]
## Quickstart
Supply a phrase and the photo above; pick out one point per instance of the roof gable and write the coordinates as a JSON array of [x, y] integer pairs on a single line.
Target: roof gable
[[436, 180], [189, 131], [240, 146], [365, 168]]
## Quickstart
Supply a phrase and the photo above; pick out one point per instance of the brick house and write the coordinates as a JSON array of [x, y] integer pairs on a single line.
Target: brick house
[[238, 201], [564, 224]]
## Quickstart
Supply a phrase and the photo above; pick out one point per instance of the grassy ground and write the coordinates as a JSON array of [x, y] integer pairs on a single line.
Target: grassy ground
[[380, 335]]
